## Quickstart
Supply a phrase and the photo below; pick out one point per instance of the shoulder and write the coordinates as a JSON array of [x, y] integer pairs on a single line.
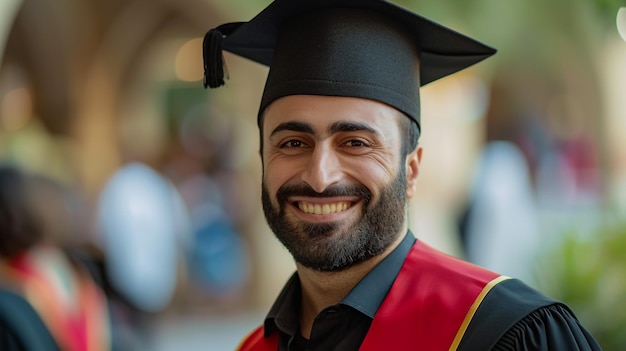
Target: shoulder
[[514, 316], [20, 326], [8, 340], [549, 328], [512, 298]]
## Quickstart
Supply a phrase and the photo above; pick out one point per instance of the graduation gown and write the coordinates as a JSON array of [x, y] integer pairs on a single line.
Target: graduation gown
[[438, 302]]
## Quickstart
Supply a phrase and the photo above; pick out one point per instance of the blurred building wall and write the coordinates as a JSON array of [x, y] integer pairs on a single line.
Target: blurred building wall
[[89, 86]]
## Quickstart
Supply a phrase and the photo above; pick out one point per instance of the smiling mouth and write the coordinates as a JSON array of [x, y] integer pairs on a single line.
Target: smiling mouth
[[323, 209]]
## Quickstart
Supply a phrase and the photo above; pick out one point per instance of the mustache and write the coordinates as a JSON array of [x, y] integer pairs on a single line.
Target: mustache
[[303, 189]]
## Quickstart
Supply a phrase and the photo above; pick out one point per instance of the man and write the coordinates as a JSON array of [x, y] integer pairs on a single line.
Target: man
[[339, 123]]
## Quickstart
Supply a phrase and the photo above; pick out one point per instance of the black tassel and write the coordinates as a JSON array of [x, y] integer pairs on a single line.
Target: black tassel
[[214, 64], [213, 59]]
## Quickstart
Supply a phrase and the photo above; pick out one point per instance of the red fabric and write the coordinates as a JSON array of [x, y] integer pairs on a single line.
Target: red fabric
[[424, 308], [428, 302]]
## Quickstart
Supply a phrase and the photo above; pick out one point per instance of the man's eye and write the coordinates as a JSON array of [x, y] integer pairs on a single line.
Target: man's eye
[[355, 143], [292, 144]]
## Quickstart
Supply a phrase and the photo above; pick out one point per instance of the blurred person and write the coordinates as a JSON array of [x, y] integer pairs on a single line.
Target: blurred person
[[142, 224], [501, 227], [339, 124], [201, 169], [49, 299]]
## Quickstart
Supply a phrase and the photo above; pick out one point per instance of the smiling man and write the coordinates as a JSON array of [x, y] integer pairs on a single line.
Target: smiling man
[[339, 123], [339, 180]]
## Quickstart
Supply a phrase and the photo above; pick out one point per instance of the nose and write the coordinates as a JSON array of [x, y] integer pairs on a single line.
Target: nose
[[324, 168]]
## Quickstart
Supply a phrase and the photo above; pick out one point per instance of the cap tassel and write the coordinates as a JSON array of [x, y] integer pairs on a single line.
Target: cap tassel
[[214, 65], [213, 59]]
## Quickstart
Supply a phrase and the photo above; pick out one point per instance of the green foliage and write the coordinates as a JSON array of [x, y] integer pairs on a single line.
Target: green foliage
[[590, 276], [608, 8], [246, 9]]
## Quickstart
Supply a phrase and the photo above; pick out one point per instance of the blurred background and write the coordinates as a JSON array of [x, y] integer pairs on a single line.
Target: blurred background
[[524, 166]]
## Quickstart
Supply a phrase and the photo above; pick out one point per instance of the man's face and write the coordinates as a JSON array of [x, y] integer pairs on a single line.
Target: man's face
[[334, 181]]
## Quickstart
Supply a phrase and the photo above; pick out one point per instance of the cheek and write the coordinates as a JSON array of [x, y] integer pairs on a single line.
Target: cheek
[[374, 174], [276, 174]]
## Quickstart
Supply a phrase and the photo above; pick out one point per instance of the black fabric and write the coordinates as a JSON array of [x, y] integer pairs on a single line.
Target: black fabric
[[337, 327], [317, 59], [514, 316], [550, 328], [346, 53], [21, 328], [505, 305], [256, 39]]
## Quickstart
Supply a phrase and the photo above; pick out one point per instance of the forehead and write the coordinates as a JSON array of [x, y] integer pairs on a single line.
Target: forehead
[[322, 111]]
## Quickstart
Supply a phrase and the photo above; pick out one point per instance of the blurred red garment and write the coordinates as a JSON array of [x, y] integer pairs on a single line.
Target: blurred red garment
[[71, 305]]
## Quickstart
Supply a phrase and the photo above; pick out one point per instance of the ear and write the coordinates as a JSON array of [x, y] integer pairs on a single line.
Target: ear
[[412, 165]]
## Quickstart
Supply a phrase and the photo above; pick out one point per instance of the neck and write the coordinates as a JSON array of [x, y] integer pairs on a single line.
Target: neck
[[323, 289]]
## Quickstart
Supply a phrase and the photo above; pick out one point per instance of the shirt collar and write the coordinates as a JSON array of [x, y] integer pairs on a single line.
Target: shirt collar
[[370, 292], [365, 297], [284, 313]]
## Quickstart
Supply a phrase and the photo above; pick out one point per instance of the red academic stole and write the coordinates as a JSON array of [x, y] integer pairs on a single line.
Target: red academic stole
[[429, 306]]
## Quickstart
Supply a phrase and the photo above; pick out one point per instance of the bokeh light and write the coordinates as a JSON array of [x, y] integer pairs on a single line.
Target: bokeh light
[[189, 61], [621, 22]]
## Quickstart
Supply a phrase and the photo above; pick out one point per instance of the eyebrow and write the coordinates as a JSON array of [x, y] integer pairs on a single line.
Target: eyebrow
[[293, 126], [334, 128], [338, 127]]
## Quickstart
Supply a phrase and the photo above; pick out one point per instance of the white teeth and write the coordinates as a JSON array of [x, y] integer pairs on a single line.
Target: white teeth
[[323, 209]]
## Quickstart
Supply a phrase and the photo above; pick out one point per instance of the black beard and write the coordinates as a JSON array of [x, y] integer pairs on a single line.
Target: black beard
[[318, 245]]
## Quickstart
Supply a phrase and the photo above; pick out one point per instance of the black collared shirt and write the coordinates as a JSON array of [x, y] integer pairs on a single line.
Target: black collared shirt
[[342, 326]]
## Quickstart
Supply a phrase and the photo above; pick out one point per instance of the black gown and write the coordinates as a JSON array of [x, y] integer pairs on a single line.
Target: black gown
[[501, 325]]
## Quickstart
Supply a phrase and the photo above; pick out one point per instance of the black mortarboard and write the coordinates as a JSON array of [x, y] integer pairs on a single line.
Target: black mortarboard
[[360, 48]]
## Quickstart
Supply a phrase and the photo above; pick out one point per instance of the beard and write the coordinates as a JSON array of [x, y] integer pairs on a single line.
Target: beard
[[335, 246]]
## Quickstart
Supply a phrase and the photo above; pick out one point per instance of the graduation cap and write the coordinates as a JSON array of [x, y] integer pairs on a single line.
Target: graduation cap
[[370, 49]]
